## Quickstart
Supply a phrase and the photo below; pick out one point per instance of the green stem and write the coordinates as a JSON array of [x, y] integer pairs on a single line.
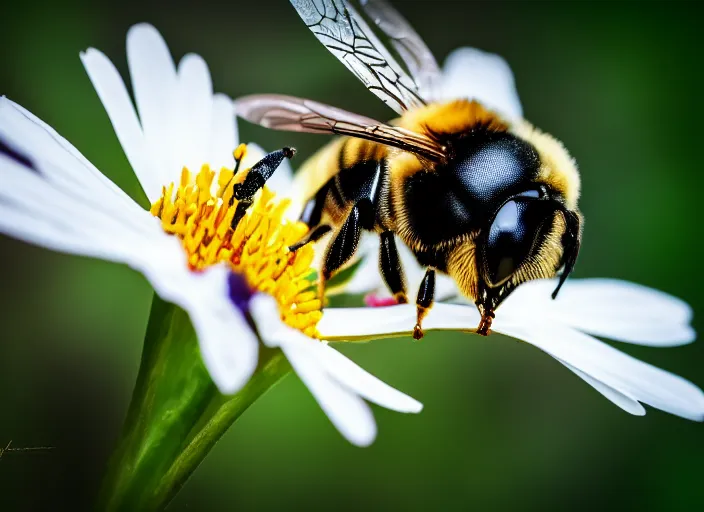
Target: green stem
[[176, 415]]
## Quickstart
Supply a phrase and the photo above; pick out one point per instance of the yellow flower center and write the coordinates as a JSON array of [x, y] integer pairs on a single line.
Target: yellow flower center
[[200, 211]]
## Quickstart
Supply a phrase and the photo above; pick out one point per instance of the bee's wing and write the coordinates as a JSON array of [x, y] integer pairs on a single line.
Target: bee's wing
[[338, 26], [410, 46], [288, 113]]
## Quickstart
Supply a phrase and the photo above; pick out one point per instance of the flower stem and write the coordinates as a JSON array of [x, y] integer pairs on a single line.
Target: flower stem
[[176, 415]]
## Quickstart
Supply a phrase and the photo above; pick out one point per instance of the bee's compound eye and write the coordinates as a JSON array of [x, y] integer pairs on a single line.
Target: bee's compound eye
[[512, 237]]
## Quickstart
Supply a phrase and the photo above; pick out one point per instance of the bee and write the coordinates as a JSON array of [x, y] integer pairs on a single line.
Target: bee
[[488, 200]]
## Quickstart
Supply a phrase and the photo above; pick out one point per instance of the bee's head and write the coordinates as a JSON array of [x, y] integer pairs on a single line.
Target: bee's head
[[531, 236], [500, 212]]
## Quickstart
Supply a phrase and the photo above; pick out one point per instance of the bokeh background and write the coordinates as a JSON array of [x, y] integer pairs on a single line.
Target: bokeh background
[[504, 427]]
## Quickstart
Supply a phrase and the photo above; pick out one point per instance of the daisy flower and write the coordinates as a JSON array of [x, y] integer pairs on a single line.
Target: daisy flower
[[213, 242], [564, 328]]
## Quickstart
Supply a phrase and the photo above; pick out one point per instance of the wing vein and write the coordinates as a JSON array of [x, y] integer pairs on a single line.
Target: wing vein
[[347, 36]]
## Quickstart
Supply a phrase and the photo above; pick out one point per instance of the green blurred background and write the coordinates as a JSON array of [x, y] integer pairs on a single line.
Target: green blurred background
[[504, 427]]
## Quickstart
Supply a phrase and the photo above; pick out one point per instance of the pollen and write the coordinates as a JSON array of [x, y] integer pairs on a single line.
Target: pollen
[[199, 210]]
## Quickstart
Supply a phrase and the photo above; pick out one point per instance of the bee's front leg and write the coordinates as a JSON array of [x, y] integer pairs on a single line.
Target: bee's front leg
[[343, 246], [311, 237], [424, 301], [364, 196], [312, 215]]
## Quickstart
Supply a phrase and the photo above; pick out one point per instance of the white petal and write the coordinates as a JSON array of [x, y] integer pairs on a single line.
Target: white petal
[[223, 133], [118, 105], [348, 412], [618, 376], [474, 74], [31, 136], [156, 94], [72, 193], [65, 203], [175, 109], [149, 251], [266, 314], [621, 372], [363, 323], [274, 333], [29, 228], [49, 218], [351, 323], [228, 345], [362, 383], [610, 308], [69, 219], [196, 105], [30, 190], [336, 382], [626, 403], [452, 316]]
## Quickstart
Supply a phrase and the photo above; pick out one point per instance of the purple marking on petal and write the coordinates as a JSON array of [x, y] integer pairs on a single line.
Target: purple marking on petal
[[240, 292], [16, 156]]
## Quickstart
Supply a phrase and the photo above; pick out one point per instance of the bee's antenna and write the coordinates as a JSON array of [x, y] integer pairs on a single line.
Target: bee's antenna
[[571, 242]]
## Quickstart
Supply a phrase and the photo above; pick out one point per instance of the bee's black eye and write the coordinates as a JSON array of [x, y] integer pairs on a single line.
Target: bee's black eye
[[513, 236]]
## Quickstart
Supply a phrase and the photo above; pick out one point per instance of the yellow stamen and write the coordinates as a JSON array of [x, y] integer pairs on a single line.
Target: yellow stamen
[[200, 211]]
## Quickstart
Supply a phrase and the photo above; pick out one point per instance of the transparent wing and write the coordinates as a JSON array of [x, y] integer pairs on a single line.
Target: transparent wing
[[288, 113], [338, 26], [406, 41]]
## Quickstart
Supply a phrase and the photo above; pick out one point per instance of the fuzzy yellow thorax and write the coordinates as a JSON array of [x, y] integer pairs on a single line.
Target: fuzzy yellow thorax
[[200, 211]]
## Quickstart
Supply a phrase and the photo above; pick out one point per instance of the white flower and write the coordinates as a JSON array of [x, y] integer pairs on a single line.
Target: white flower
[[54, 197]]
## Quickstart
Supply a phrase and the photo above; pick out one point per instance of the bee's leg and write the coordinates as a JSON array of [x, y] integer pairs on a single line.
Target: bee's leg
[[313, 211], [424, 301], [256, 178], [313, 235], [312, 214], [343, 246], [391, 268], [362, 216]]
